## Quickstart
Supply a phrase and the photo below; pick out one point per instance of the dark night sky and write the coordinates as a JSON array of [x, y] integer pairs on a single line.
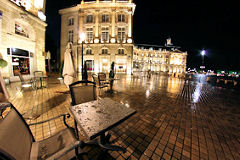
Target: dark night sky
[[192, 24]]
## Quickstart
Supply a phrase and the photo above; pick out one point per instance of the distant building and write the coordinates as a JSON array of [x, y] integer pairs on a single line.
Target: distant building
[[108, 29], [168, 58], [22, 36], [107, 26]]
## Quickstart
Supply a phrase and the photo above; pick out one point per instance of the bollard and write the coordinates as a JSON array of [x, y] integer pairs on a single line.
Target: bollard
[[235, 83], [208, 79], [225, 81]]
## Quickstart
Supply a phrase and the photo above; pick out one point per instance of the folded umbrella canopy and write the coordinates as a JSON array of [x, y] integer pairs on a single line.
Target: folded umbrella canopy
[[69, 73]]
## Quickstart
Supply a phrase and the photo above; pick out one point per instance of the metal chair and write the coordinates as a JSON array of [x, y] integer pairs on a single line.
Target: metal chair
[[102, 78], [98, 84], [82, 91], [17, 141], [39, 77], [26, 83]]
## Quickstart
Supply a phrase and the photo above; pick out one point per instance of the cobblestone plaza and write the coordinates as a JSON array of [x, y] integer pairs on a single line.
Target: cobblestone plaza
[[175, 119]]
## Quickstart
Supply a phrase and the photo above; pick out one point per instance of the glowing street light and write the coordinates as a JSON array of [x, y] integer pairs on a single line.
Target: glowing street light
[[203, 52], [82, 39]]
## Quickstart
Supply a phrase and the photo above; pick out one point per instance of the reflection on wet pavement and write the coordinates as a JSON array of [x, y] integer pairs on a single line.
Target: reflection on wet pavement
[[175, 119]]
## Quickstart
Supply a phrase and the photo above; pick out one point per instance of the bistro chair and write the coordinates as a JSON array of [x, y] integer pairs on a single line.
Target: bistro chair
[[17, 141], [102, 78], [26, 83], [98, 84], [82, 91], [39, 78]]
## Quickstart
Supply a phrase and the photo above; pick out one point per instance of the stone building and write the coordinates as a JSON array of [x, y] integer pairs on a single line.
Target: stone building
[[107, 26], [168, 58], [22, 36]]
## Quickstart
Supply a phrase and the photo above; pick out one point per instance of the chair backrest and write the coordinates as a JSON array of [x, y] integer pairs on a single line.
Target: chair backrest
[[95, 79], [82, 91], [20, 77], [102, 77], [38, 73], [15, 136]]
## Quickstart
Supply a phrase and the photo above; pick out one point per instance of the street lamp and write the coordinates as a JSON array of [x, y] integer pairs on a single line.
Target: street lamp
[[82, 39], [203, 52]]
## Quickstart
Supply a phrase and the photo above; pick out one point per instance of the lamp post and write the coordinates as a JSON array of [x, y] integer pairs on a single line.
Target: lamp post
[[82, 39], [203, 52]]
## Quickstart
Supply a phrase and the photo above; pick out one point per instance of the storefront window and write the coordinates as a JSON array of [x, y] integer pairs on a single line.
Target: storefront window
[[20, 65], [20, 61], [90, 65]]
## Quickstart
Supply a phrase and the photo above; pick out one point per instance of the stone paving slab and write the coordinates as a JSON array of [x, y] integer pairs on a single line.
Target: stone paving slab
[[175, 119]]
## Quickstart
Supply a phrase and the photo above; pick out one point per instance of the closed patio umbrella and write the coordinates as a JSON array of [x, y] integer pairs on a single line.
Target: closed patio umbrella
[[69, 73]]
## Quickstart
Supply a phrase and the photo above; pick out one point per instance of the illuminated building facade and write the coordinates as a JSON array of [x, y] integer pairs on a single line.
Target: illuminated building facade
[[108, 29], [168, 59], [107, 26], [22, 36]]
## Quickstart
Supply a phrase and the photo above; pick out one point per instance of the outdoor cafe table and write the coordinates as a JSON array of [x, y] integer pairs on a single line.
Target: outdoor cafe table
[[99, 116], [41, 78]]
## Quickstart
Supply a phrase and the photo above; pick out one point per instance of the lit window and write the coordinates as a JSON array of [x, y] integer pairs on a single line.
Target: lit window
[[121, 18], [88, 51], [90, 35], [21, 30], [89, 19], [105, 34], [70, 36], [120, 51], [121, 34], [71, 21], [104, 51], [105, 18]]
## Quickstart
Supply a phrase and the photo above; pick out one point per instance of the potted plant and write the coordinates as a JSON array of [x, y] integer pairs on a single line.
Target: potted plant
[[60, 73], [3, 64]]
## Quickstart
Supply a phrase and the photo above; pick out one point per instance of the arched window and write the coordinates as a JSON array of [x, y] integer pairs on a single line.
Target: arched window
[[104, 51], [120, 51], [88, 51]]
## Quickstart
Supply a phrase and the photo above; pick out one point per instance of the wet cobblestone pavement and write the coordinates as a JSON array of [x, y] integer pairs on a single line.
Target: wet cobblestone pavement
[[175, 119]]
